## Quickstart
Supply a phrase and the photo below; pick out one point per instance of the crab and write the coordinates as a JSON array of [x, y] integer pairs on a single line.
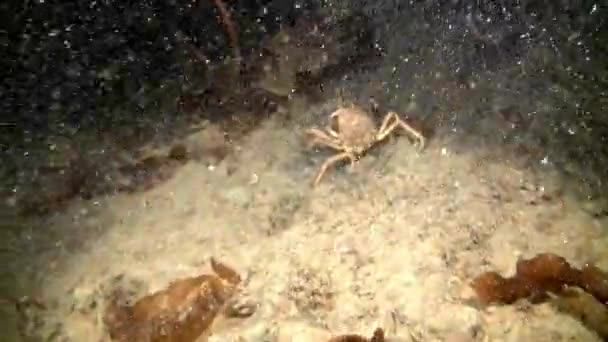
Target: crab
[[352, 132]]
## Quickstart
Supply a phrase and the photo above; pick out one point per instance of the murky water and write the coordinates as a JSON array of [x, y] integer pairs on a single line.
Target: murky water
[[513, 168]]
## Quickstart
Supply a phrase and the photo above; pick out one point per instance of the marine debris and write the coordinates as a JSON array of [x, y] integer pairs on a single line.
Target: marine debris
[[547, 273], [182, 312], [536, 277]]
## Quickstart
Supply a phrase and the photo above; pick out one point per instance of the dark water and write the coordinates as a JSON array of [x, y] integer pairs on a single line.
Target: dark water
[[111, 70]]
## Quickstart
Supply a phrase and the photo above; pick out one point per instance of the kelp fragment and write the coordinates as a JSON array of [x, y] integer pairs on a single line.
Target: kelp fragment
[[180, 313], [378, 336], [536, 277]]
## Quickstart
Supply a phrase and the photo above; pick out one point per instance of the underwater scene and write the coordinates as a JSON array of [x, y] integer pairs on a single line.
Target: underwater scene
[[304, 171]]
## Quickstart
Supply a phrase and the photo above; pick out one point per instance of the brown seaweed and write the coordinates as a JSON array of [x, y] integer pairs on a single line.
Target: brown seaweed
[[378, 336], [536, 277], [182, 312]]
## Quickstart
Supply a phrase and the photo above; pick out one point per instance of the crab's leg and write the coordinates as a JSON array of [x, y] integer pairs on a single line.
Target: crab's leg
[[386, 128], [383, 133], [320, 137], [329, 162], [412, 131], [385, 124], [332, 117]]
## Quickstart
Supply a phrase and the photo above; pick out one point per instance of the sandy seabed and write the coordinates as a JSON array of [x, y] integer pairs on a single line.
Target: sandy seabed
[[394, 244]]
